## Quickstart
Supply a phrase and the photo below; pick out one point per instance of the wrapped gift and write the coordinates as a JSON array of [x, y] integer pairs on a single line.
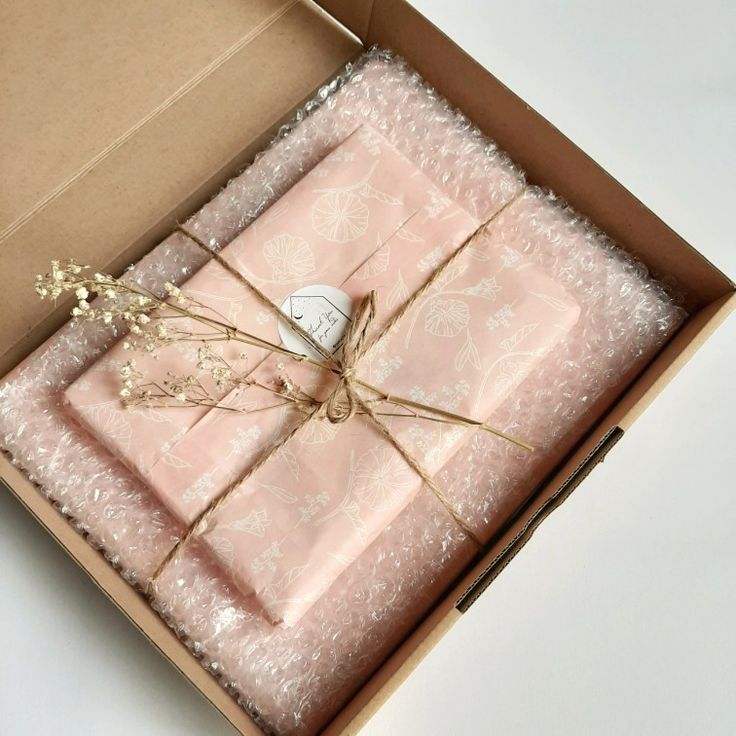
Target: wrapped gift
[[342, 221], [364, 219], [291, 527]]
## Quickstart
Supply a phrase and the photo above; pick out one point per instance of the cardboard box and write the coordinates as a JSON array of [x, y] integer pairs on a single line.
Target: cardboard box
[[134, 115]]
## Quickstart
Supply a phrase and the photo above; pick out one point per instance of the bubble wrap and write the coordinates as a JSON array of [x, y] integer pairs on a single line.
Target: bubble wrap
[[294, 680]]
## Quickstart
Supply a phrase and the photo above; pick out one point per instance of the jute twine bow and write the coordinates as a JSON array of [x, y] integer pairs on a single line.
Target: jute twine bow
[[345, 400]]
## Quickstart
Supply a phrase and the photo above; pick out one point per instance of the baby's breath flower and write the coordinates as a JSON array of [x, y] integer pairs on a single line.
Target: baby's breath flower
[[128, 302]]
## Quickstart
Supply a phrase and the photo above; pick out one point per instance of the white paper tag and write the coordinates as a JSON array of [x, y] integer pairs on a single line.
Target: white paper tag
[[323, 311]]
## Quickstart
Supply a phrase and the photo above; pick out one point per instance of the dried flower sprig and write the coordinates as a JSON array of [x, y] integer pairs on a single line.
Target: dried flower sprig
[[154, 322]]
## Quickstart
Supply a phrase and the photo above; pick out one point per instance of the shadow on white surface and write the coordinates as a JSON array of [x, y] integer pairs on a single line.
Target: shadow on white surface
[[71, 662]]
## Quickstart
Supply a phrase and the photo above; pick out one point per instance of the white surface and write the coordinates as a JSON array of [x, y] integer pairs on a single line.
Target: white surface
[[617, 618]]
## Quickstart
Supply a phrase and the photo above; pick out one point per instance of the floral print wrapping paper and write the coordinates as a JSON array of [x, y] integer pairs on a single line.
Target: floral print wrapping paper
[[364, 218], [332, 202], [302, 518]]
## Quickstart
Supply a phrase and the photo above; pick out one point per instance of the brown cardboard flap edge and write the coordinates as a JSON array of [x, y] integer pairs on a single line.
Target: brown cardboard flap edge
[[506, 554], [180, 149]]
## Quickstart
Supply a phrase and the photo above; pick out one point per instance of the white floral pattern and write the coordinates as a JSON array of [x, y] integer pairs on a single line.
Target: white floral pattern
[[447, 317], [318, 433], [266, 560], [431, 260], [380, 476], [255, 523], [486, 288], [314, 503], [501, 318], [223, 548], [244, 438], [200, 489], [112, 423], [340, 216], [289, 256], [376, 264]]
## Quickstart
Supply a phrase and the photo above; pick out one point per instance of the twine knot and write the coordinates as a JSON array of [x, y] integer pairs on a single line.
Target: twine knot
[[344, 401]]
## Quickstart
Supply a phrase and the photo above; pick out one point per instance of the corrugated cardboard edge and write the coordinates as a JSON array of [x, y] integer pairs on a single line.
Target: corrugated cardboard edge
[[507, 553], [125, 598]]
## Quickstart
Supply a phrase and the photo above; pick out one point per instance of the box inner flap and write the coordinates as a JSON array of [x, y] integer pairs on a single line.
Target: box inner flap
[[105, 131], [77, 78]]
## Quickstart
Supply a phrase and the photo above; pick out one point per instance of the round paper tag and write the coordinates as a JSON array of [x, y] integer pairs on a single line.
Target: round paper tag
[[323, 311]]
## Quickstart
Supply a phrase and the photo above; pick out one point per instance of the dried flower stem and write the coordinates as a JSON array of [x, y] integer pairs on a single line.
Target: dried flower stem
[[149, 319]]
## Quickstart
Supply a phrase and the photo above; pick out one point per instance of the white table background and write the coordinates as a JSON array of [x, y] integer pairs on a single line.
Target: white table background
[[618, 617]]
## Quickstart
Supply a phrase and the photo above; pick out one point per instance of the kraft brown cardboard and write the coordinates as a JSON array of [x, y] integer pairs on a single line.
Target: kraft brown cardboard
[[117, 179]]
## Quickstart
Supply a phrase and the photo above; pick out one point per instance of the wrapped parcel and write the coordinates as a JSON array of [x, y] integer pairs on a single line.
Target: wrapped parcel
[[363, 219]]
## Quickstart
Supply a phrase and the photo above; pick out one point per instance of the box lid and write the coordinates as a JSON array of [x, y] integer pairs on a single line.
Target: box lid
[[120, 117]]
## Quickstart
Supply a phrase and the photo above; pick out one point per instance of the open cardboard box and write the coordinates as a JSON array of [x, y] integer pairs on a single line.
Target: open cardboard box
[[122, 119]]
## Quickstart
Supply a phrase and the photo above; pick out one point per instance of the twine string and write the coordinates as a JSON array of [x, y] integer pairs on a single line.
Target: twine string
[[345, 399]]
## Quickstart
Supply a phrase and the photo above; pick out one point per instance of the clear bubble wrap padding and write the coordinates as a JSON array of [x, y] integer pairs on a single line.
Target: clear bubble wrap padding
[[294, 680]]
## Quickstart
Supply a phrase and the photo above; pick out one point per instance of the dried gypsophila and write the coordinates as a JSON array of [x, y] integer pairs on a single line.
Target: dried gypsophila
[[148, 318], [183, 389], [150, 321]]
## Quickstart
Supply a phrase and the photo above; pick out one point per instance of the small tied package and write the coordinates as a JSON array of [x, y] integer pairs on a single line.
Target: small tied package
[[286, 497], [341, 221]]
